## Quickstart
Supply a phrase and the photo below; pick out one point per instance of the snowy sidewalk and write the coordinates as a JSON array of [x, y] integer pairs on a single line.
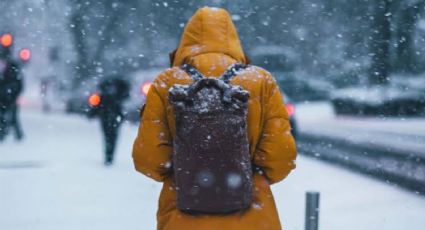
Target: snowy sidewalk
[[55, 179]]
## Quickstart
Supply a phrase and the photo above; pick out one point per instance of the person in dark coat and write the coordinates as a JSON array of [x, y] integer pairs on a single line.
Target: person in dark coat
[[113, 92], [11, 86]]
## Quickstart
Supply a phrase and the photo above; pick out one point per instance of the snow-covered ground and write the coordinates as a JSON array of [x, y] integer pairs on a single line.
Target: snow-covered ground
[[55, 179], [404, 134]]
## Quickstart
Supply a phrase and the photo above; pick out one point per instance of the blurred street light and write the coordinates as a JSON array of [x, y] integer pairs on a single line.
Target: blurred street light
[[145, 88], [94, 100], [290, 108], [25, 54], [6, 40]]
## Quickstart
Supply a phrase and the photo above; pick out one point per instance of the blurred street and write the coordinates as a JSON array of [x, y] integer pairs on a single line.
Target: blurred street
[[55, 179], [388, 148], [399, 134]]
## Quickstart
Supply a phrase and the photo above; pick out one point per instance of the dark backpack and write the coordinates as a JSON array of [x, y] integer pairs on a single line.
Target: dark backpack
[[211, 160]]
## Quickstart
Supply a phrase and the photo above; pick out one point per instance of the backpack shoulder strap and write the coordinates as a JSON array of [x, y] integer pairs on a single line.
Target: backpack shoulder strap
[[192, 72], [232, 71]]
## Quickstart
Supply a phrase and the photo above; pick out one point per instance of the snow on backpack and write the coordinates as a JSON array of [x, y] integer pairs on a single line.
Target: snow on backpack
[[211, 160]]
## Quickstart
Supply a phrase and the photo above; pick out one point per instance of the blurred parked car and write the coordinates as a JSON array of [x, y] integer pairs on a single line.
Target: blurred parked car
[[391, 100], [281, 61]]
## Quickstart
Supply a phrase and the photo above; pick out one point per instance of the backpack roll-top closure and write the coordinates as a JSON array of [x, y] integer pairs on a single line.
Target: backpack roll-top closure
[[183, 95], [231, 71]]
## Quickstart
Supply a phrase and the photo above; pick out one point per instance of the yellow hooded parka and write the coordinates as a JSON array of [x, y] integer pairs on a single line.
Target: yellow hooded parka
[[211, 44]]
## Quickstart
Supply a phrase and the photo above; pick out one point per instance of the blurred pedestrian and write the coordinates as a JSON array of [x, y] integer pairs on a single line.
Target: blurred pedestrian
[[11, 86], [215, 132], [44, 92], [107, 105]]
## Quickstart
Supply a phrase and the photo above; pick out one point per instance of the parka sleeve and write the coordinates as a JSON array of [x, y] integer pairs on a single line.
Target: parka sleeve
[[153, 147], [276, 151]]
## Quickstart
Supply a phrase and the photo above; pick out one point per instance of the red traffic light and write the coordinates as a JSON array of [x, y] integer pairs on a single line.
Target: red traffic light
[[94, 100], [25, 54], [6, 40], [145, 88]]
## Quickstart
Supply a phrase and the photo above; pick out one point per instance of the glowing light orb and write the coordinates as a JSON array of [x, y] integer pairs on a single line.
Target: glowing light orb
[[25, 54], [6, 40], [145, 88], [94, 99]]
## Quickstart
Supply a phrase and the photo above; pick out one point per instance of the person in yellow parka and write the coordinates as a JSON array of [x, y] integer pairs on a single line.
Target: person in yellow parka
[[211, 44]]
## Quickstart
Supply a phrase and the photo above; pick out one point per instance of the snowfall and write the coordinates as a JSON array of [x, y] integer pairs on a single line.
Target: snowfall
[[55, 179]]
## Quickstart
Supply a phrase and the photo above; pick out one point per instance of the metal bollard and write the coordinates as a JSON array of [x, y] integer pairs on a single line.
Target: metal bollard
[[312, 211]]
